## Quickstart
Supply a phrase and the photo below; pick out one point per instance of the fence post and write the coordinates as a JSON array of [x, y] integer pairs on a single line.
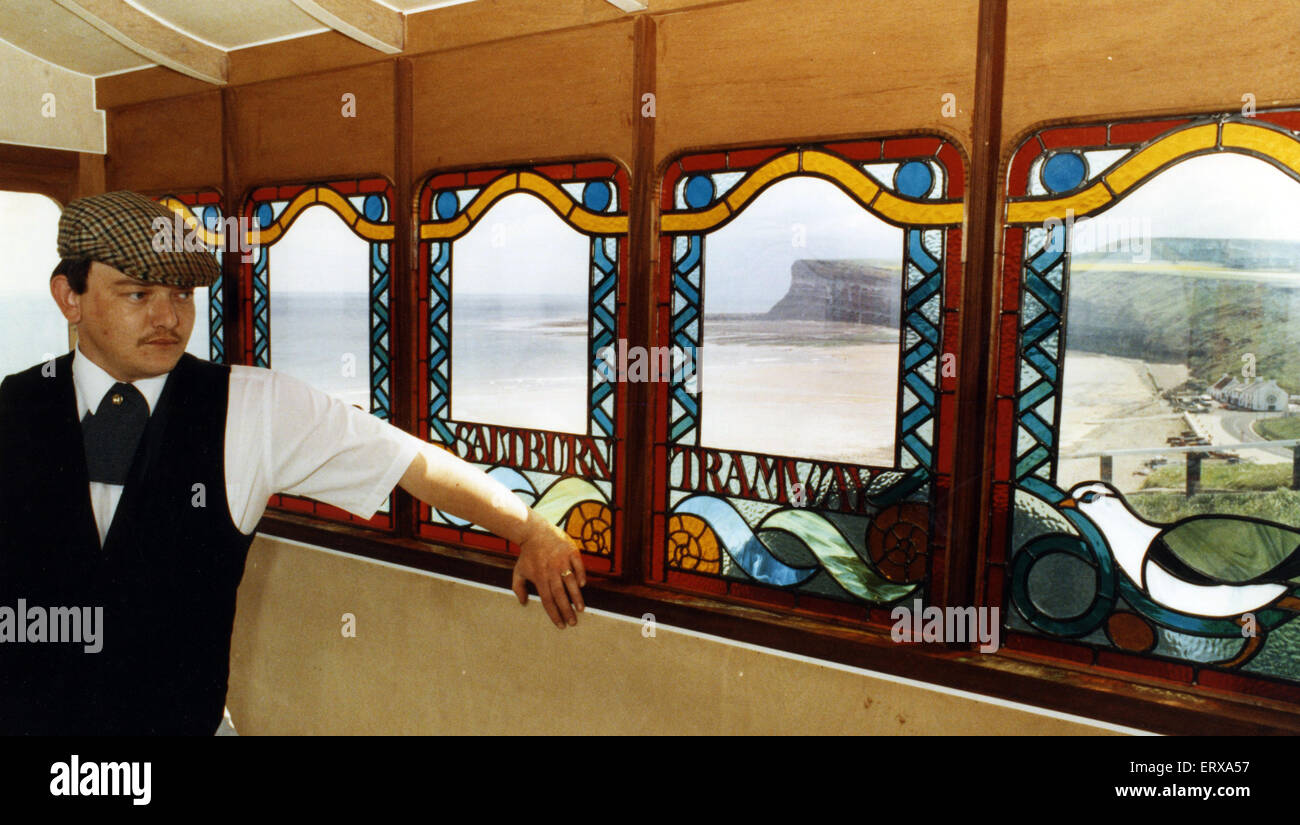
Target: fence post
[[1107, 468], [1295, 467], [1193, 473]]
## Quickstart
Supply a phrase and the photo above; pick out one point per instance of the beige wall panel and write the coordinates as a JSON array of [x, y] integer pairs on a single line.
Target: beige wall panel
[[1068, 60], [168, 144], [556, 95], [295, 129], [68, 120], [438, 656], [771, 70]]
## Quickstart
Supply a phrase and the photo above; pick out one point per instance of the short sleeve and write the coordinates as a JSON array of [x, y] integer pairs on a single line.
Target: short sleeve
[[322, 448]]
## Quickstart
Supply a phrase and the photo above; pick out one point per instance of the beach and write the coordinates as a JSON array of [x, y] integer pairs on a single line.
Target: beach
[[1111, 403], [816, 389]]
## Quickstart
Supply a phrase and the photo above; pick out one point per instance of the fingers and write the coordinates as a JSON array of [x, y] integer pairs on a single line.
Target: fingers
[[559, 588], [560, 595], [579, 571], [545, 592], [573, 589], [519, 584]]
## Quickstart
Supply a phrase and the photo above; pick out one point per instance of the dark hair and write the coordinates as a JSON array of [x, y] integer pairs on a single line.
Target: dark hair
[[76, 270]]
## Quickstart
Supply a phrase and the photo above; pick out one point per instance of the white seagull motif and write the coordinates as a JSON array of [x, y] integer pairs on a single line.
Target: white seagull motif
[[1210, 565]]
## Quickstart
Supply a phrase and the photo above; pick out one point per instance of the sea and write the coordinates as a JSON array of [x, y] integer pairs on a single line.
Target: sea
[[521, 360], [32, 329]]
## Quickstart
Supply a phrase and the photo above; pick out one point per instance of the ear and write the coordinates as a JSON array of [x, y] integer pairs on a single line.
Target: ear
[[69, 302]]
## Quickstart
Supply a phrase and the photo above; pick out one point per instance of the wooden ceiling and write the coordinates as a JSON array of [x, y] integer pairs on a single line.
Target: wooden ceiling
[[104, 37]]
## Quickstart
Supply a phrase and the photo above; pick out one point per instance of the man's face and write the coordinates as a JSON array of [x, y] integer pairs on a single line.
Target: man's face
[[130, 328]]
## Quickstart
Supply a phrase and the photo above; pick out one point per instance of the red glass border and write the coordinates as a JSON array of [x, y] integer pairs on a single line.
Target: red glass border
[[571, 171]]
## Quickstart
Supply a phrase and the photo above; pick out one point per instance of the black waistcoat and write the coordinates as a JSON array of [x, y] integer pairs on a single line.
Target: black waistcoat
[[166, 576]]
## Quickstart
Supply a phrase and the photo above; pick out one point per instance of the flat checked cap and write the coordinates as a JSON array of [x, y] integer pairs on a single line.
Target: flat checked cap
[[124, 230]]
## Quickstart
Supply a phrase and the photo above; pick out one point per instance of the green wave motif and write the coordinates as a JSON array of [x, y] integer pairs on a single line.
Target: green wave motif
[[564, 495], [836, 555]]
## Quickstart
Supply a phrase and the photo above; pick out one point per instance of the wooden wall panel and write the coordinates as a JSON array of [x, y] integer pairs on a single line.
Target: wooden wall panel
[[295, 129], [51, 172], [327, 51], [769, 70], [488, 20], [92, 175], [555, 95], [1068, 60], [156, 83], [166, 144]]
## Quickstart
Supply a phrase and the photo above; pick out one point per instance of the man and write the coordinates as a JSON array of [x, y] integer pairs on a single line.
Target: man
[[179, 457]]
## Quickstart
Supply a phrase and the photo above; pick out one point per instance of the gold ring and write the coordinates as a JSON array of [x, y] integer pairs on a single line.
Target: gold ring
[[566, 573]]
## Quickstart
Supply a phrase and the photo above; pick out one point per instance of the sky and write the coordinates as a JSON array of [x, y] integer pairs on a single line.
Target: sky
[[747, 262], [521, 246], [518, 246], [1213, 196], [28, 230]]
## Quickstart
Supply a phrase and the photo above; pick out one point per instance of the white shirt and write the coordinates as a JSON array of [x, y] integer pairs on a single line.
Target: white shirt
[[282, 436]]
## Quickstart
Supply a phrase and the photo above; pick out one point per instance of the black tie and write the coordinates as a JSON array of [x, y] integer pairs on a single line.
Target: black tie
[[113, 433]]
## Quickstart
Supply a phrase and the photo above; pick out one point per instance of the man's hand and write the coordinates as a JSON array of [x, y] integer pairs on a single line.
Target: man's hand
[[550, 559], [547, 556]]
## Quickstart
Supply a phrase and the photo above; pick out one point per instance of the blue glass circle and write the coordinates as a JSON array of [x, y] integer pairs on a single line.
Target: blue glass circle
[[699, 191], [596, 196], [446, 204], [211, 218], [914, 179], [1064, 171], [374, 207], [265, 217]]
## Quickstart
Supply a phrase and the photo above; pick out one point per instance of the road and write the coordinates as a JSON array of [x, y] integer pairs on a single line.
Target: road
[[1230, 427]]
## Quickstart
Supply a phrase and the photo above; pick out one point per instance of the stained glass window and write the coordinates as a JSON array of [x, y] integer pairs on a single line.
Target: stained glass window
[[1148, 468], [31, 327], [200, 213], [807, 294], [522, 274], [519, 309], [318, 290]]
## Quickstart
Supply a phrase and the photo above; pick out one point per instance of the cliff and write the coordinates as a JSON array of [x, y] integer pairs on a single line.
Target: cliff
[[1204, 317], [853, 291]]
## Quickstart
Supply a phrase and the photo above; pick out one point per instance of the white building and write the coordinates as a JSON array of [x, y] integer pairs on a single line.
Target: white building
[[1253, 394]]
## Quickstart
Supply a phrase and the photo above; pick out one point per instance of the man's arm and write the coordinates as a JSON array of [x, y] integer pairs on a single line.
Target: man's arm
[[547, 556]]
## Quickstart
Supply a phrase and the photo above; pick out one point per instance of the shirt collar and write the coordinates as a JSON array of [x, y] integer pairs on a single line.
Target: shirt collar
[[93, 384]]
